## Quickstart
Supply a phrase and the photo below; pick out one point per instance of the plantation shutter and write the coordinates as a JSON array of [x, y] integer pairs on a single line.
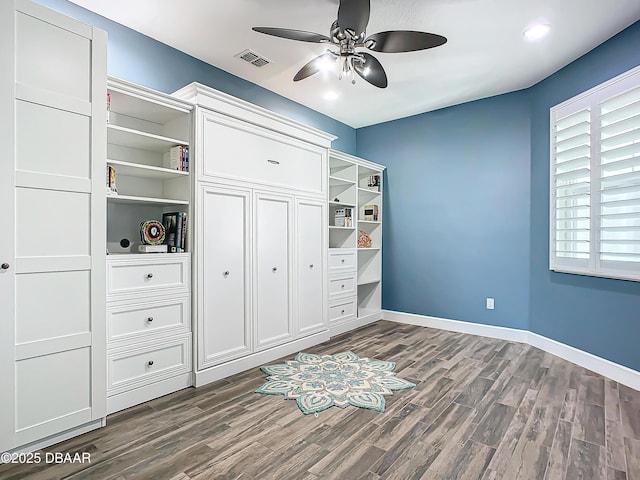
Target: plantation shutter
[[571, 190], [595, 181], [620, 182]]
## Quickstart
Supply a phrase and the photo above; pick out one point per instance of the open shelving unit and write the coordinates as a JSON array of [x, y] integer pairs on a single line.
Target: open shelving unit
[[357, 183], [143, 125]]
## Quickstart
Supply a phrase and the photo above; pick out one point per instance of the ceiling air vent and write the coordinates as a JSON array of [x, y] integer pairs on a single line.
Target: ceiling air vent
[[253, 58]]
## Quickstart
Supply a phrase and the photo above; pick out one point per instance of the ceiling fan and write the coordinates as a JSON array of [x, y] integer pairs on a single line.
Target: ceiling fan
[[348, 34]]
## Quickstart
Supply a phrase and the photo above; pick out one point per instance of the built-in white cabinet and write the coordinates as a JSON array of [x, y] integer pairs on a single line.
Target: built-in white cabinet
[[310, 277], [149, 345], [260, 251], [355, 241], [223, 274], [272, 280], [52, 246]]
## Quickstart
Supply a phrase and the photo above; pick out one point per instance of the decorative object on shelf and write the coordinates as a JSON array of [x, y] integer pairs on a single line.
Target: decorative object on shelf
[[152, 232], [337, 200], [319, 382], [374, 182], [370, 213], [364, 240], [111, 181], [342, 217], [123, 246], [152, 248]]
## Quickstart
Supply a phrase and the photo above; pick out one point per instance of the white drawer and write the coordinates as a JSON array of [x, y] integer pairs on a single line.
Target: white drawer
[[343, 310], [134, 321], [342, 260], [342, 286], [241, 151], [146, 363], [147, 274]]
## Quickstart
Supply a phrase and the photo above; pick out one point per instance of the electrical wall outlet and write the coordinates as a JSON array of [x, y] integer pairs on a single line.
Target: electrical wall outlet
[[490, 303]]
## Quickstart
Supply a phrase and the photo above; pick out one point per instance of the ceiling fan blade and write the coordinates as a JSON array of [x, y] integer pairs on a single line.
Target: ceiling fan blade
[[397, 41], [371, 70], [300, 35], [314, 66], [354, 15]]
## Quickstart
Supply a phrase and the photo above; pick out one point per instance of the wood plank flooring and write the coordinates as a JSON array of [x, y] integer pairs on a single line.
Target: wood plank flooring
[[483, 409]]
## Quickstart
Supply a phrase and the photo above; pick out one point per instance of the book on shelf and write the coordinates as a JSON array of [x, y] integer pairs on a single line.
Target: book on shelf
[[111, 181], [177, 158], [175, 225]]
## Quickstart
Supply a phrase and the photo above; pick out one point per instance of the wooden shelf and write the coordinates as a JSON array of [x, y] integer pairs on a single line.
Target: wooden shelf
[[145, 171], [341, 204], [371, 222], [133, 200], [159, 111], [341, 228], [370, 249], [367, 281], [340, 181], [140, 140], [367, 190]]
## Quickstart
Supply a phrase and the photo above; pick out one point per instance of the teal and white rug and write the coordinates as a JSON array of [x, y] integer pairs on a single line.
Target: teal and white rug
[[318, 382]]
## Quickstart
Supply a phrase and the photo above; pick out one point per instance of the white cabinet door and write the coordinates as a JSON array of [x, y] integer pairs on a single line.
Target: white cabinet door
[[273, 239], [223, 266], [310, 284], [52, 289]]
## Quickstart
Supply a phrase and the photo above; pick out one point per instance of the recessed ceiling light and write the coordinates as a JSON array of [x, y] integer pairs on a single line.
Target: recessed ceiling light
[[537, 32], [331, 95]]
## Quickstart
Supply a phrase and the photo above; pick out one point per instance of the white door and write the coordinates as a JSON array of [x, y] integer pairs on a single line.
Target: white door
[[223, 273], [272, 286], [52, 280], [311, 301]]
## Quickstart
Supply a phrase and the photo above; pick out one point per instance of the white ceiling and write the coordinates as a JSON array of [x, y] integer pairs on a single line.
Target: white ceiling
[[486, 53]]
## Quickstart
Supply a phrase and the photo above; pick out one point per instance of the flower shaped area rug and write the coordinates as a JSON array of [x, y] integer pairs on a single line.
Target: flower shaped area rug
[[318, 382]]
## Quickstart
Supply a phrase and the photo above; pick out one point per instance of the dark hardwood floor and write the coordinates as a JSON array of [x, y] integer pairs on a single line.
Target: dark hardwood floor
[[483, 409]]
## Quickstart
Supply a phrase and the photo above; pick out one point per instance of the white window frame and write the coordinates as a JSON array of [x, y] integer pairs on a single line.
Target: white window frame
[[592, 99]]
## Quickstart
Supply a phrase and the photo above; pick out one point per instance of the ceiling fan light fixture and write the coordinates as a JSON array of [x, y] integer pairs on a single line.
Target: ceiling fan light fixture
[[331, 96], [538, 31]]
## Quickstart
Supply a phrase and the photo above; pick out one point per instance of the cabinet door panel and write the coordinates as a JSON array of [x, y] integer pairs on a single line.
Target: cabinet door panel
[[310, 284], [273, 250], [224, 293]]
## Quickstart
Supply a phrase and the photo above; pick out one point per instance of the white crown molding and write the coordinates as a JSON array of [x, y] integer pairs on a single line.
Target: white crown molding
[[607, 368]]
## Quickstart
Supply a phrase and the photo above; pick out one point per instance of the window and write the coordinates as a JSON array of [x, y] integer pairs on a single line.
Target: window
[[595, 181]]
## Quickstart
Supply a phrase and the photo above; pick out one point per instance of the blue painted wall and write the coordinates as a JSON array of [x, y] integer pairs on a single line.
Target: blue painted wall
[[600, 316], [140, 59], [456, 210], [466, 185]]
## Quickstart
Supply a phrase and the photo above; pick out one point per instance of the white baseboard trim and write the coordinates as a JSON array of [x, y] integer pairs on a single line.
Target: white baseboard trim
[[226, 369], [123, 400], [502, 333], [60, 437], [354, 323], [607, 368]]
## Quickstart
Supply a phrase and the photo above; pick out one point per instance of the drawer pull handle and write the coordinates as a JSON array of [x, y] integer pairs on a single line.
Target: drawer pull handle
[[274, 269], [311, 266], [342, 312], [342, 261], [150, 363], [342, 286], [273, 162], [225, 274], [5, 266], [150, 319], [149, 275]]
